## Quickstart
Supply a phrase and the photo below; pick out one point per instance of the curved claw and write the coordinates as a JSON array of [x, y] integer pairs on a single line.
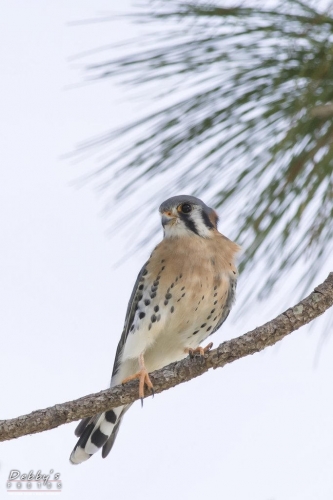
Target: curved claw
[[198, 350], [144, 379]]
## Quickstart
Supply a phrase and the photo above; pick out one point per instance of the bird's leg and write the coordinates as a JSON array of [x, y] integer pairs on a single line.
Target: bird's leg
[[198, 350], [143, 377]]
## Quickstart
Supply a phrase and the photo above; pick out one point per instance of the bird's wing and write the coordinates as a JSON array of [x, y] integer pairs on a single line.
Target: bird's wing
[[130, 313], [228, 304]]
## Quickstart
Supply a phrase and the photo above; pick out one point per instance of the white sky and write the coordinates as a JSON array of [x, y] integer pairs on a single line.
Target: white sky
[[260, 429]]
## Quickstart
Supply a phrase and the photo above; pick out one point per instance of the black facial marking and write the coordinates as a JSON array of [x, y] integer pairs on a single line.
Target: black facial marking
[[183, 294], [213, 310], [132, 327], [145, 272], [203, 325], [208, 223], [142, 315], [153, 318], [182, 289], [189, 223], [196, 331], [215, 318], [209, 328], [172, 309], [215, 302], [141, 287], [172, 285], [202, 297], [110, 416], [208, 317], [215, 294]]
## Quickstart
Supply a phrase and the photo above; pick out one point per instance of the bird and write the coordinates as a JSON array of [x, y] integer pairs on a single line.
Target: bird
[[182, 295]]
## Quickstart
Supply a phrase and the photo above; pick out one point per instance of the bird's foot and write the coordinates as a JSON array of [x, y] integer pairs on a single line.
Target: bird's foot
[[144, 378], [198, 350]]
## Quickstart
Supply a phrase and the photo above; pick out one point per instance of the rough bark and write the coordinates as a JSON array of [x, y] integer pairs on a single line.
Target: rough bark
[[254, 341]]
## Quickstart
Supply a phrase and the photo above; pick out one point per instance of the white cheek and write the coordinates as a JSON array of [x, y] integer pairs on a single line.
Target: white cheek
[[202, 229], [178, 229]]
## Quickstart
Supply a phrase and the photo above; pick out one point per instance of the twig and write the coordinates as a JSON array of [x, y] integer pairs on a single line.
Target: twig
[[254, 341]]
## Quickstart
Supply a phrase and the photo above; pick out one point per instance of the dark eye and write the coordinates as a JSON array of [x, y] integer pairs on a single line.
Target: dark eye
[[186, 208]]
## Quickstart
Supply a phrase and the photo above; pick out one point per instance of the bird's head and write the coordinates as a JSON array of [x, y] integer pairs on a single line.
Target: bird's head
[[187, 216]]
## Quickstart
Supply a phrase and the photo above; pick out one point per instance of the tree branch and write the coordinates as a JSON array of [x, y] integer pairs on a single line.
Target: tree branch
[[254, 341], [324, 111]]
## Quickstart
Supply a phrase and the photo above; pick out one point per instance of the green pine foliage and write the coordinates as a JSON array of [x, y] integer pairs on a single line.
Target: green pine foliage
[[244, 118]]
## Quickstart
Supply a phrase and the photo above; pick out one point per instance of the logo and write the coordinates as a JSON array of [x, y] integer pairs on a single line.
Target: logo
[[31, 482]]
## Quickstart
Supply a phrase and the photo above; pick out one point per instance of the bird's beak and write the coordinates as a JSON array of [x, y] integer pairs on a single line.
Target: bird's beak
[[167, 217]]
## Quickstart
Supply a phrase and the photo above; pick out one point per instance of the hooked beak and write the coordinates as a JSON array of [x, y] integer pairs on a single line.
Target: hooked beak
[[167, 217]]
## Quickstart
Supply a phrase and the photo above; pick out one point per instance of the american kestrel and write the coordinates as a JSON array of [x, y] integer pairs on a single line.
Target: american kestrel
[[183, 294]]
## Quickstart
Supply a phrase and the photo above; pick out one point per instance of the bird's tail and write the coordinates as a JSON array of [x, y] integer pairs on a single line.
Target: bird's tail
[[95, 433]]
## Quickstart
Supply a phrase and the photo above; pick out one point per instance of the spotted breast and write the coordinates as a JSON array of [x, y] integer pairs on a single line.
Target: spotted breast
[[182, 295]]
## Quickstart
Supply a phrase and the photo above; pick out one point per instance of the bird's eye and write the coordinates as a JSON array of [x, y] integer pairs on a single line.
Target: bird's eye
[[186, 208]]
